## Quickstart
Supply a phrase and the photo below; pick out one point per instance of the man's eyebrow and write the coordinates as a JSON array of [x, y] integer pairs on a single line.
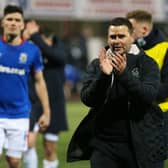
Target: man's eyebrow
[[117, 35]]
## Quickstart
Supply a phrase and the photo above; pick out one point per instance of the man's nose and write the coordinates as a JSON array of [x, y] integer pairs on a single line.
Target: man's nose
[[117, 38], [13, 21]]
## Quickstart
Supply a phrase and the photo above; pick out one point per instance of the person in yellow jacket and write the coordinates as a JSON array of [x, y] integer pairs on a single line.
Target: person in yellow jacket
[[155, 45]]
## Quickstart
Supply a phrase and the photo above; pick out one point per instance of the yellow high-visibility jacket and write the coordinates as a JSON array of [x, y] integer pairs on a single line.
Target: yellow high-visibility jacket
[[158, 53]]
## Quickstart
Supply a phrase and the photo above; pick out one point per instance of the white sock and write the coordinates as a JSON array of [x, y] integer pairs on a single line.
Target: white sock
[[50, 164], [30, 159]]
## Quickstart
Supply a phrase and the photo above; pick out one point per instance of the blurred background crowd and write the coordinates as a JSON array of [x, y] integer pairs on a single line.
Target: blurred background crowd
[[82, 26]]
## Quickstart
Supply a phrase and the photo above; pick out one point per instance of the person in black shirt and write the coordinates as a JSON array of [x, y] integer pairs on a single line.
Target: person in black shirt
[[54, 59]]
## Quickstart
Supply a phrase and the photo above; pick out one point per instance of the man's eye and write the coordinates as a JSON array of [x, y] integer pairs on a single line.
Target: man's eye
[[9, 19], [113, 36], [121, 36], [17, 20]]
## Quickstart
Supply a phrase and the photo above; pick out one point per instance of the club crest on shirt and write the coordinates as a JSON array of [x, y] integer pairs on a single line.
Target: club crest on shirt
[[23, 58]]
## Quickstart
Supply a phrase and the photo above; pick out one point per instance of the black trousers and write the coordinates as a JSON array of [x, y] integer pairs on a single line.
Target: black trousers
[[121, 157]]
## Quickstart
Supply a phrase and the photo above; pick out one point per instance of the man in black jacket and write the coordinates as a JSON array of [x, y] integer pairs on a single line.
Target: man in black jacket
[[125, 124], [54, 59], [155, 45]]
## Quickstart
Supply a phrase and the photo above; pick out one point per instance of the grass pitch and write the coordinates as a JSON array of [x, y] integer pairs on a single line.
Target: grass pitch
[[75, 113]]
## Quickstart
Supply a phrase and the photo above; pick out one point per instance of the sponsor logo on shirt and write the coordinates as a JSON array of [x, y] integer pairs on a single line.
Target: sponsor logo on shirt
[[9, 70]]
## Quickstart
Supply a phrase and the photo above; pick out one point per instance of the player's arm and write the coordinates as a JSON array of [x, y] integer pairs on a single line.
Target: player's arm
[[42, 93]]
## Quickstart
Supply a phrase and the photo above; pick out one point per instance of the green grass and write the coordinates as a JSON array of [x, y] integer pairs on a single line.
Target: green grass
[[75, 112]]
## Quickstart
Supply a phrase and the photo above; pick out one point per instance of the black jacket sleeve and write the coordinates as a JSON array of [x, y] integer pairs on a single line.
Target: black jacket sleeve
[[55, 53], [146, 87], [95, 85]]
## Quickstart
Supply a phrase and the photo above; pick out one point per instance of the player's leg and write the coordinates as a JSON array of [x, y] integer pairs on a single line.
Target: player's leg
[[50, 148], [16, 141], [30, 158], [2, 135]]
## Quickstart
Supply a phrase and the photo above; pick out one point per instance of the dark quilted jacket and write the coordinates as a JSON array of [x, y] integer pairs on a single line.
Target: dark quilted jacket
[[141, 78]]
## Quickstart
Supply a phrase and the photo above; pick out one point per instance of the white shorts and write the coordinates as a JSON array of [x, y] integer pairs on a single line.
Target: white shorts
[[14, 136]]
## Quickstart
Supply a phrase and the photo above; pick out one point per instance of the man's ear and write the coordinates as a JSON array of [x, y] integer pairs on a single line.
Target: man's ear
[[145, 30], [132, 39], [23, 26]]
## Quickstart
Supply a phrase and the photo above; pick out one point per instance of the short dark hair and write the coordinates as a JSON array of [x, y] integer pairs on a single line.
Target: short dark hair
[[12, 9], [120, 21]]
